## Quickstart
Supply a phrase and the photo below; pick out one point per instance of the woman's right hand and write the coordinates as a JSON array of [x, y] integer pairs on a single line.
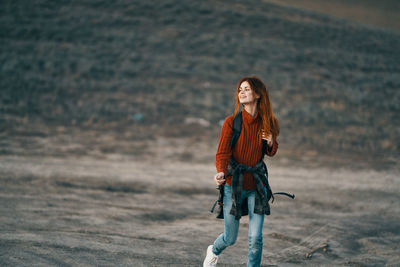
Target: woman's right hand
[[219, 178]]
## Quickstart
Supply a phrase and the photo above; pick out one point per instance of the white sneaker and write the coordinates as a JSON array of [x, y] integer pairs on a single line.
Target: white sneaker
[[211, 259]]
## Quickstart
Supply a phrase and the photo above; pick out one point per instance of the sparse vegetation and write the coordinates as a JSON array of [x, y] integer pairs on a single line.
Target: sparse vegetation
[[88, 68]]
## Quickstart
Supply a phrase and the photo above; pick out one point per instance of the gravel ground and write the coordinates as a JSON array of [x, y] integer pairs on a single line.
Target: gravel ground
[[118, 211]]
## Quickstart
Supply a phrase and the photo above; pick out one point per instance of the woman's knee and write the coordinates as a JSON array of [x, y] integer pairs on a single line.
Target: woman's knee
[[230, 240]]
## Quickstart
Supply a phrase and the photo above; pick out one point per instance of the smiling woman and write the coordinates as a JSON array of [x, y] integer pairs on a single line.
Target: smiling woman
[[247, 190]]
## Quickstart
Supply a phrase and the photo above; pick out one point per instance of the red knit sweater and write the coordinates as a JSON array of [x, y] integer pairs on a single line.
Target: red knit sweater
[[247, 150]]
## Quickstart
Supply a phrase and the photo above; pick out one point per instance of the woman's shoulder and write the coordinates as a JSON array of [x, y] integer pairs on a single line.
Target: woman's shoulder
[[229, 120]]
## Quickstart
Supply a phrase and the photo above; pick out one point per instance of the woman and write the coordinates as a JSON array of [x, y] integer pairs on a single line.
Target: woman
[[258, 123]]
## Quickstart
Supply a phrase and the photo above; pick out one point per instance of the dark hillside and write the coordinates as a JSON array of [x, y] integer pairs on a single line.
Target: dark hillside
[[135, 70]]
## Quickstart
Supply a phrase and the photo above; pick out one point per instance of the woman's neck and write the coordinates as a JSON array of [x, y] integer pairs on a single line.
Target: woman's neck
[[251, 108]]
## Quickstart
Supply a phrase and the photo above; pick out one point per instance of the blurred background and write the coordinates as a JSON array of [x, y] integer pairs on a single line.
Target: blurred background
[[110, 116], [155, 78]]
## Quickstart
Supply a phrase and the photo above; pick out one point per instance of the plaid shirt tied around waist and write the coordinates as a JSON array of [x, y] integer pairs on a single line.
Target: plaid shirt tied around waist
[[260, 175]]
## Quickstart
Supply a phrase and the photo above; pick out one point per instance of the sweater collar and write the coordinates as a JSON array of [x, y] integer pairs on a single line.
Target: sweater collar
[[247, 118]]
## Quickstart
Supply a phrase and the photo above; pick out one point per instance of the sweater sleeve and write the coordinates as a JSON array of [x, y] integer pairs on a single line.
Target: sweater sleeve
[[271, 151], [224, 151]]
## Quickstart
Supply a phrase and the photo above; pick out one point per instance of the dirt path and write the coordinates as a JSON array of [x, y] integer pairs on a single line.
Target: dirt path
[[85, 211]]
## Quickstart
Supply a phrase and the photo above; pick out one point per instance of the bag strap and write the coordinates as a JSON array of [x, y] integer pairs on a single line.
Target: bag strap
[[237, 129]]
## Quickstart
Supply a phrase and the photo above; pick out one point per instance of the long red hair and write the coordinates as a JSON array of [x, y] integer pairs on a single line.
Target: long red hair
[[269, 122]]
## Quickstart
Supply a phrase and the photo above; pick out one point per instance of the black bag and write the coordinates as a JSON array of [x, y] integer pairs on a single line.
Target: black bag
[[220, 202]]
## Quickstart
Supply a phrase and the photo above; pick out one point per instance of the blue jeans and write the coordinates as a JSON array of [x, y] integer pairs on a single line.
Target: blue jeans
[[231, 229]]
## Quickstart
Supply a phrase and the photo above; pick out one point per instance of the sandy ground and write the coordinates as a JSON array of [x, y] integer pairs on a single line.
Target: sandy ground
[[123, 212]]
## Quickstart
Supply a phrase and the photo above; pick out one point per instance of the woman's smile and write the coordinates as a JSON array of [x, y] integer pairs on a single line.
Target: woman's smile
[[246, 95]]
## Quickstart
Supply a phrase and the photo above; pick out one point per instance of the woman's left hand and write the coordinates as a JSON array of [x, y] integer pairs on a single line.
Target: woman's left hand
[[268, 138]]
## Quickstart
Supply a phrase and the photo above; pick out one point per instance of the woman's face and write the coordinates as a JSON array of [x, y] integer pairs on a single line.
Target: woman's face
[[246, 94]]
